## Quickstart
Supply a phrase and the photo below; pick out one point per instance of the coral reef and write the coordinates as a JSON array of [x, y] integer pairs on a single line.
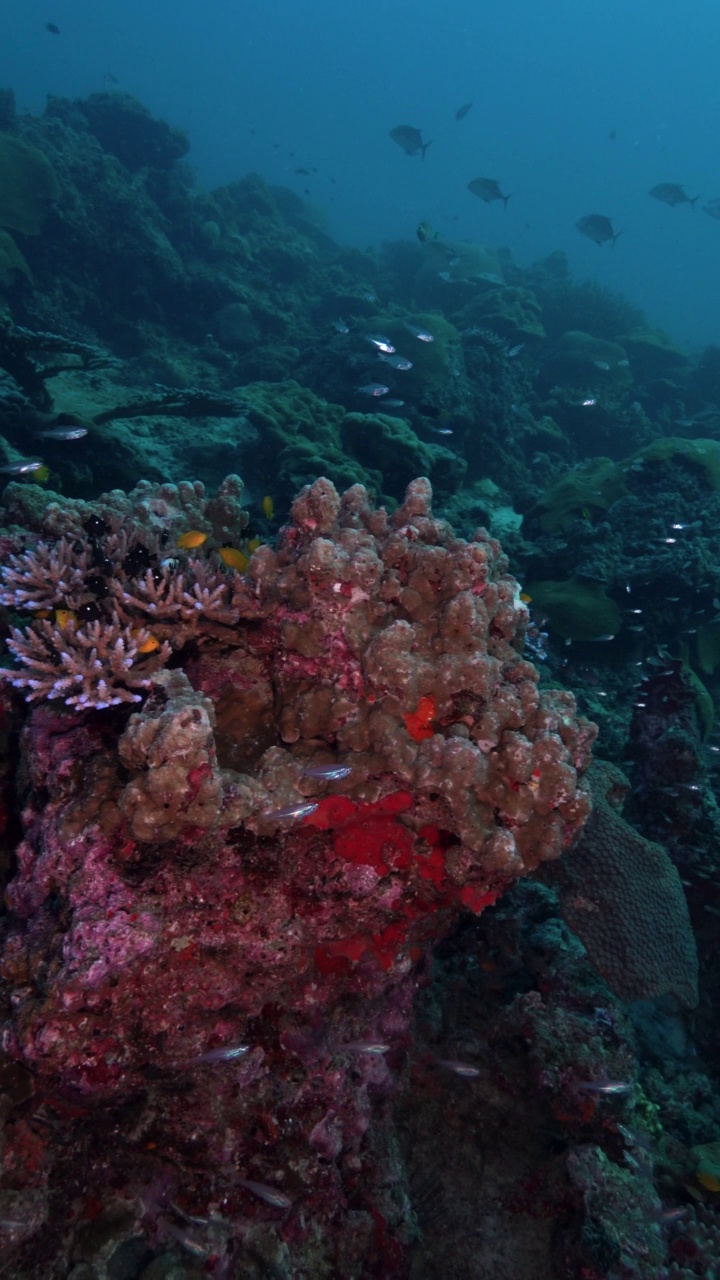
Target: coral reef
[[265, 849], [623, 897]]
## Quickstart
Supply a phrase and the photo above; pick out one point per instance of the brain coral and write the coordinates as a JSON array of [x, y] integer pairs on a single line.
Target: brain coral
[[622, 895]]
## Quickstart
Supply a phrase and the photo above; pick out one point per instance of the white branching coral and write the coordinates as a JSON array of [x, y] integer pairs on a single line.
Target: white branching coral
[[106, 601], [199, 591], [90, 666], [45, 577]]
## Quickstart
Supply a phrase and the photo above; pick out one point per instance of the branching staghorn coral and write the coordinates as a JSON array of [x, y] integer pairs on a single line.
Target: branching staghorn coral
[[89, 666], [101, 584]]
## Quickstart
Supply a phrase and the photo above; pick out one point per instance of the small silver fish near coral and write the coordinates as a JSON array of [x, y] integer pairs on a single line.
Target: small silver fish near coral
[[290, 811], [609, 1088], [340, 326], [463, 1069], [270, 1195], [22, 467], [380, 342], [417, 331], [374, 389], [229, 1053], [395, 361], [63, 433], [328, 772], [376, 1048]]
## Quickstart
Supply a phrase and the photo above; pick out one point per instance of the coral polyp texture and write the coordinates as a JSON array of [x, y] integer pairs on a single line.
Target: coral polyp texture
[[345, 749]]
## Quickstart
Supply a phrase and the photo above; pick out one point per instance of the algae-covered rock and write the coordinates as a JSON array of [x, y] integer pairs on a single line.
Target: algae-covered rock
[[11, 260], [651, 352], [125, 128], [579, 360], [576, 610], [390, 446], [589, 488], [702, 455], [28, 186], [507, 310], [234, 327]]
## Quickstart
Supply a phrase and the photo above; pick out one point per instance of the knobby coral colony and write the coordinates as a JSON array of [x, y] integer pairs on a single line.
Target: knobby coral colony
[[338, 751]]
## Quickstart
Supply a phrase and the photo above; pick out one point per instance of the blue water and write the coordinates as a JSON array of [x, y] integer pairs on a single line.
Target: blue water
[[549, 82]]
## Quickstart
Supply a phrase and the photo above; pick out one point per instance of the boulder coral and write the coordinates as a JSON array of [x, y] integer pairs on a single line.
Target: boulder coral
[[221, 898]]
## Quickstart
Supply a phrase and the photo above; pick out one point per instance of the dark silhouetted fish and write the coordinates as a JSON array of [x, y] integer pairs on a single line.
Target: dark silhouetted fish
[[53, 28], [713, 208], [487, 189], [409, 139], [597, 228], [670, 193], [462, 111]]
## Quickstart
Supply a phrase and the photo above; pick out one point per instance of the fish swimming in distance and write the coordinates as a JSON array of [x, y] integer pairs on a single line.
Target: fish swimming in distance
[[53, 28], [424, 231], [462, 111], [409, 139], [597, 228], [487, 189], [671, 193], [712, 208]]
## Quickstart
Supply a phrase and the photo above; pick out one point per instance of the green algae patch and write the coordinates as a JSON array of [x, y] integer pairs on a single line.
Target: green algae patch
[[11, 260], [702, 454], [588, 489], [576, 610], [28, 186]]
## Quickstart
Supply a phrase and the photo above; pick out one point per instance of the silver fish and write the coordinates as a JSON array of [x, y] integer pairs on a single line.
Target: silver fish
[[395, 361], [228, 1054], [459, 1068], [422, 335], [340, 326], [23, 467], [611, 1087], [270, 1195], [300, 810], [63, 433], [380, 342], [374, 389], [327, 772], [376, 1048]]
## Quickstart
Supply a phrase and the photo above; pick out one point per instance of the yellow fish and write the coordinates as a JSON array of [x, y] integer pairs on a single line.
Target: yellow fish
[[268, 507], [41, 475], [65, 618], [192, 539], [708, 1180], [253, 545], [234, 558], [526, 599], [149, 645]]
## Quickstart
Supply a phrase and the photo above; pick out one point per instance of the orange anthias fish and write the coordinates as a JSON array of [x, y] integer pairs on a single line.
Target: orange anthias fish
[[192, 539], [234, 558]]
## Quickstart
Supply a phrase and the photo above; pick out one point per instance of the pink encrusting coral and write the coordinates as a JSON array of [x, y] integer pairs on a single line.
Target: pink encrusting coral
[[190, 876]]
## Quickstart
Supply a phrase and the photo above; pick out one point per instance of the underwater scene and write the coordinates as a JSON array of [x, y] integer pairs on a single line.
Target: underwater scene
[[359, 642]]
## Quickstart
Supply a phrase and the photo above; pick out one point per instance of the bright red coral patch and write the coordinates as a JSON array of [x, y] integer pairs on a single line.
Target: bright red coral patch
[[418, 722]]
